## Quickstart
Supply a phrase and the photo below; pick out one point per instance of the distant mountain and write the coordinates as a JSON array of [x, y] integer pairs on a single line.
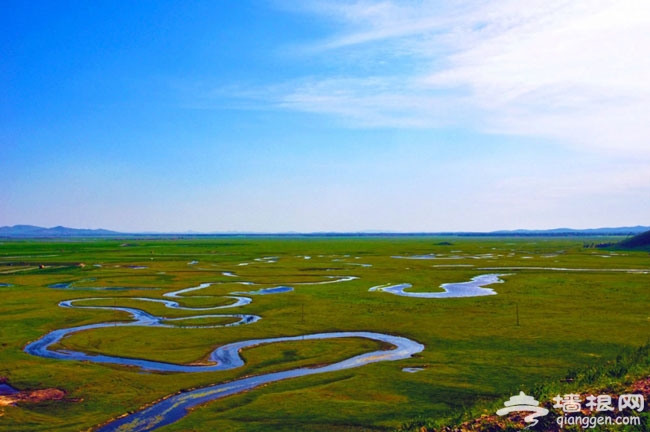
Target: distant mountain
[[639, 241], [31, 231], [619, 231]]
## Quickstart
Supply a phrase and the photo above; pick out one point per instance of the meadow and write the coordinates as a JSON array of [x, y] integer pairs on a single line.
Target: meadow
[[561, 306]]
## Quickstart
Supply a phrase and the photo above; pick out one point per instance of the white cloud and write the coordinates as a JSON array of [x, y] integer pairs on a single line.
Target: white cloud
[[576, 72], [370, 102]]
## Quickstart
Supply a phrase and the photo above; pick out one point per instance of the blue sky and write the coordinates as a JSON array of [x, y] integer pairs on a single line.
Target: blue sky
[[275, 115]]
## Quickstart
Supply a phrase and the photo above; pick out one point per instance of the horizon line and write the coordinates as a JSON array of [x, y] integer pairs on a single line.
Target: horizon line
[[63, 231]]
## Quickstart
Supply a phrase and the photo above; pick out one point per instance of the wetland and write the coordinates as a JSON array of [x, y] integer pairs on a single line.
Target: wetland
[[309, 334]]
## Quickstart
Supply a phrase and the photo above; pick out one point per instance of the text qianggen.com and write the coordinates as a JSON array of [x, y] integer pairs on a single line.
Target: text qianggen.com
[[592, 422]]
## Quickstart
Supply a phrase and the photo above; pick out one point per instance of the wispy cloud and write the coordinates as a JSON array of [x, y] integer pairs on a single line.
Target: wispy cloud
[[573, 71], [372, 102]]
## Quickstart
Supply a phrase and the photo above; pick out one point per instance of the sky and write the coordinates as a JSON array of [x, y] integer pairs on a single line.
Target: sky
[[338, 115]]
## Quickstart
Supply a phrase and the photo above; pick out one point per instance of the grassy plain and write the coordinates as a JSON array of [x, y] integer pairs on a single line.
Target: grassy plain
[[578, 313]]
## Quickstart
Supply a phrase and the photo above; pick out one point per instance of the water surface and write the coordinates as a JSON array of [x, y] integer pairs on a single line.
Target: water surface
[[473, 288], [175, 407]]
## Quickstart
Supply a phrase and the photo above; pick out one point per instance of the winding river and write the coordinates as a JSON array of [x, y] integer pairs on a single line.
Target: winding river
[[473, 288], [226, 357], [175, 407]]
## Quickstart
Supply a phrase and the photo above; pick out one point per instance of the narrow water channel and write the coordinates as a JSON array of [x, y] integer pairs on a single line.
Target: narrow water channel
[[227, 357]]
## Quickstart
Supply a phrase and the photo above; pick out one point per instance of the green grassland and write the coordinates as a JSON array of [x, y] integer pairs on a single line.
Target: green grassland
[[578, 314]]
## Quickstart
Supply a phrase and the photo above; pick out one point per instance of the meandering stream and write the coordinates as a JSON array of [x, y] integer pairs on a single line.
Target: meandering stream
[[473, 288], [227, 357]]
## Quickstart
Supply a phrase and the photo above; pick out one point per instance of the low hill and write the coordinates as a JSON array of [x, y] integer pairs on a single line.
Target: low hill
[[31, 231], [567, 232], [639, 241]]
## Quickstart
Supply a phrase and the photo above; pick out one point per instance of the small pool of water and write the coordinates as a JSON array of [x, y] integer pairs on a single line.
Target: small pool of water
[[264, 291], [416, 257], [7, 390], [412, 369], [60, 285]]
